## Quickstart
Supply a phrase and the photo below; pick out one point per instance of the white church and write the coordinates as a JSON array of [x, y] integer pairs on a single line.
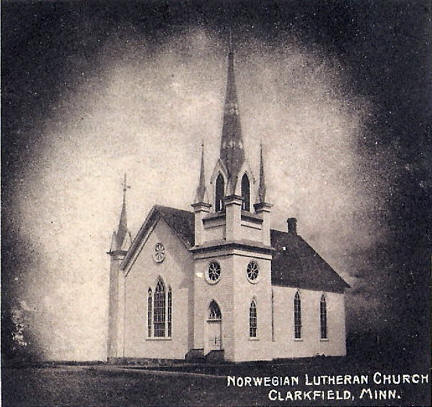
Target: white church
[[216, 282]]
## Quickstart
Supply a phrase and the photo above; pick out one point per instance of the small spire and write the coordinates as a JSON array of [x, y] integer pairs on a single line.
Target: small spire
[[262, 186], [201, 192], [122, 229]]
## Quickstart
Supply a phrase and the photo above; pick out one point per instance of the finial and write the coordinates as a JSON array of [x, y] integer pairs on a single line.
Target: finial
[[125, 187]]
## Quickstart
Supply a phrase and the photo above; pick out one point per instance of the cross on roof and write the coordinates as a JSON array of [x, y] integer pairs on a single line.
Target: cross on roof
[[125, 187]]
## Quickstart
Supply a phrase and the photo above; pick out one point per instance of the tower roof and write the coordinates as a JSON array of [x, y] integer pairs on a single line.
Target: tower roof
[[122, 229], [262, 184], [201, 191], [232, 149]]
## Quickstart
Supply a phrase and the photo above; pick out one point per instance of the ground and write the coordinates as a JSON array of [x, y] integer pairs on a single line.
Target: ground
[[180, 385]]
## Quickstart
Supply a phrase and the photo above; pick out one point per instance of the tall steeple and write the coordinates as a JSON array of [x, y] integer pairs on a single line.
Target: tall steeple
[[121, 241], [232, 149], [201, 191], [262, 185]]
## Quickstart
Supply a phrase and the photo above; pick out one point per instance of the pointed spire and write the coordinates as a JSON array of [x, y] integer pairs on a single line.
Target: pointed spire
[[122, 229], [201, 191], [262, 186], [232, 151]]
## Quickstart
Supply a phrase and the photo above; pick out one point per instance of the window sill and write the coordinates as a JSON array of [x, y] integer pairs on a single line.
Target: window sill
[[159, 339], [324, 339], [298, 339], [254, 339]]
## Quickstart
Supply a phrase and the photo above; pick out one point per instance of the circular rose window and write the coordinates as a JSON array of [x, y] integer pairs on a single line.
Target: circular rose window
[[252, 271], [213, 272], [159, 253]]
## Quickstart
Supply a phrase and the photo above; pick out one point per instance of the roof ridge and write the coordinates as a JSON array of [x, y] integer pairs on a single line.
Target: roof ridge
[[157, 206]]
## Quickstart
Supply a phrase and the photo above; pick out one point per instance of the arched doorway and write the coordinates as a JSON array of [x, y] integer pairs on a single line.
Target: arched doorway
[[213, 328]]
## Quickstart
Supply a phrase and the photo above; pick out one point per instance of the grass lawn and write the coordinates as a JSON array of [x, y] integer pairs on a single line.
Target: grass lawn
[[138, 386], [75, 386]]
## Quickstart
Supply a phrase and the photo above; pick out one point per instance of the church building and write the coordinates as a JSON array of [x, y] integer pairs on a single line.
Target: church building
[[217, 282]]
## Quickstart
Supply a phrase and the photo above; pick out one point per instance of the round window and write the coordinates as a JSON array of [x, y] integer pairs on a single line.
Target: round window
[[213, 272], [252, 271], [159, 253]]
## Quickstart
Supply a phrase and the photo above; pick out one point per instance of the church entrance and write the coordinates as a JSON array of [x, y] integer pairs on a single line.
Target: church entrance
[[213, 329]]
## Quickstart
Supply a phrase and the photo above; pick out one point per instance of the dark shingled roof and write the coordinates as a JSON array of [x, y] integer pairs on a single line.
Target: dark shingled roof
[[182, 222], [294, 263]]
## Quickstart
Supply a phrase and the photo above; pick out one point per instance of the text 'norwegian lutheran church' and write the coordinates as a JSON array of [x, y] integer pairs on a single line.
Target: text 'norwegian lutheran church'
[[218, 282]]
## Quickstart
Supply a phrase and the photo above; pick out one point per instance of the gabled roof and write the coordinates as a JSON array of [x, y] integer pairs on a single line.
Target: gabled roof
[[182, 222], [294, 263]]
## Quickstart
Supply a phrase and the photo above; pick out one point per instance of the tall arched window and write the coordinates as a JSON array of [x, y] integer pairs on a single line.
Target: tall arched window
[[245, 193], [297, 316], [214, 311], [323, 317], [159, 310], [149, 312], [220, 193], [169, 311], [253, 320]]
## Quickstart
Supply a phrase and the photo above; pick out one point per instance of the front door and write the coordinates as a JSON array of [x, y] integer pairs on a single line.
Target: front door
[[214, 340], [213, 329]]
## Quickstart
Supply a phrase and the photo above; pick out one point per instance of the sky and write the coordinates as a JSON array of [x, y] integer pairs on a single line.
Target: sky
[[336, 92]]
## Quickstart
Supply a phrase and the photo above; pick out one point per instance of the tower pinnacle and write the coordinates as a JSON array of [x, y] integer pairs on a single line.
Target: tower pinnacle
[[262, 186], [122, 229], [201, 192]]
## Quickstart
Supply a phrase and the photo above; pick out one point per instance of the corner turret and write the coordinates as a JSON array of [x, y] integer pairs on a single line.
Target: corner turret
[[120, 243]]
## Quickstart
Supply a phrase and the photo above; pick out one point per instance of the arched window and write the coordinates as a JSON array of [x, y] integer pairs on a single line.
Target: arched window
[[253, 320], [214, 311], [297, 316], [169, 311], [245, 193], [323, 317], [149, 311], [159, 310], [220, 193]]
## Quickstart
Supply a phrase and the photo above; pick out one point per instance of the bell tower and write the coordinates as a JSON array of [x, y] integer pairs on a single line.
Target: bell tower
[[120, 243], [232, 251]]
